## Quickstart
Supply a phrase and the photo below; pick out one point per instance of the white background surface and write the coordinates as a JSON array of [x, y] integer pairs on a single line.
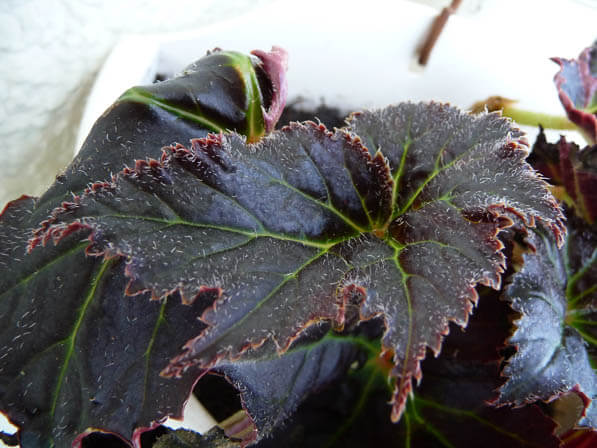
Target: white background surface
[[50, 52], [350, 53]]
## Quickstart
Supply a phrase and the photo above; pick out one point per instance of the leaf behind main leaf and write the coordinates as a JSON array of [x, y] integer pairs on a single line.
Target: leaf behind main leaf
[[224, 90], [90, 358], [448, 409], [551, 355], [270, 397], [572, 168]]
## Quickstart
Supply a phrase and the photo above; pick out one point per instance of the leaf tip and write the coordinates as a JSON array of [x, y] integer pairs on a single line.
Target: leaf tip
[[15, 203], [275, 65]]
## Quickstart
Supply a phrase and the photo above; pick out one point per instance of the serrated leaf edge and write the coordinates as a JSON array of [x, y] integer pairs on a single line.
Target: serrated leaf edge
[[50, 231]]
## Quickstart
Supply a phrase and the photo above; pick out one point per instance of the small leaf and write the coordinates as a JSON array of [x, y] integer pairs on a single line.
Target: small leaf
[[577, 88], [305, 226], [275, 65], [572, 168], [545, 158], [551, 355]]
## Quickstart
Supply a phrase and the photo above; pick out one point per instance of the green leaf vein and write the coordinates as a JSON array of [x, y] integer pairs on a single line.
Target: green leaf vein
[[71, 339], [139, 95]]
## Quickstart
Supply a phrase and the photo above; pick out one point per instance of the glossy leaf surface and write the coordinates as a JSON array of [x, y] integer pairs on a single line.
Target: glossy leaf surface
[[94, 363], [222, 91], [308, 226], [577, 88], [555, 294], [271, 389], [76, 354]]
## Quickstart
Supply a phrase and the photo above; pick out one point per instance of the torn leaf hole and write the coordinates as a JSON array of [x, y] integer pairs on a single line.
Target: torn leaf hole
[[218, 396]]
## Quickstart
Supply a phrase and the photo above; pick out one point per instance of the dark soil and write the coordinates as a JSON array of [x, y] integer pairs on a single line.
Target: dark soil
[[331, 117]]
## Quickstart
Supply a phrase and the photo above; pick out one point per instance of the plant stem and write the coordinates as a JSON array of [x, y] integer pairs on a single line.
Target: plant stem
[[530, 118]]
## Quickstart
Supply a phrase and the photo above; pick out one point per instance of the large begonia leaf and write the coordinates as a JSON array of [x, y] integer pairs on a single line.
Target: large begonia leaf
[[555, 294], [577, 88], [56, 381], [448, 409], [304, 225], [571, 168]]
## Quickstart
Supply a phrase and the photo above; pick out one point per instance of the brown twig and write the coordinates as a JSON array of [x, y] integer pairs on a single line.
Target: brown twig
[[436, 29]]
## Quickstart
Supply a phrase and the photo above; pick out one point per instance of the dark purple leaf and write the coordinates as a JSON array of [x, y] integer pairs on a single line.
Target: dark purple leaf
[[558, 286], [571, 168], [76, 355], [577, 88], [452, 402], [271, 389], [442, 164], [307, 226], [222, 91], [581, 264], [554, 293], [545, 158]]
